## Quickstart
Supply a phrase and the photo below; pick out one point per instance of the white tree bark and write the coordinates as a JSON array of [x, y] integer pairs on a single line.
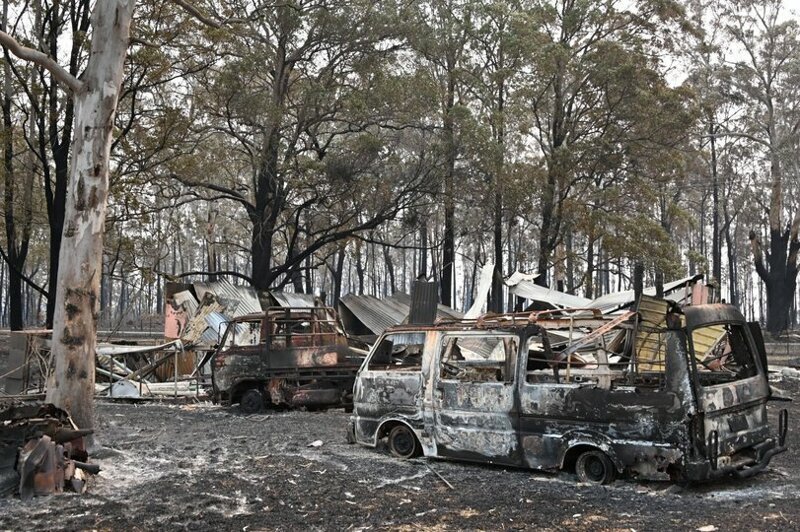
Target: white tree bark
[[77, 301]]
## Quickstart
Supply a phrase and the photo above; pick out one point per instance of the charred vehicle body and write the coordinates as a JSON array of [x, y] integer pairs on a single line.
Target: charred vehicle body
[[285, 356], [660, 394]]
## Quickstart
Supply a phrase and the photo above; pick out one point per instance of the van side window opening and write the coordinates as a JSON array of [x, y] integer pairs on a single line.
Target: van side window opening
[[246, 333], [723, 353], [472, 358], [398, 352], [551, 360]]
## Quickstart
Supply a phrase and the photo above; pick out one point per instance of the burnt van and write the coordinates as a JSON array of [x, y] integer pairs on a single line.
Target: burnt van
[[662, 393], [295, 357]]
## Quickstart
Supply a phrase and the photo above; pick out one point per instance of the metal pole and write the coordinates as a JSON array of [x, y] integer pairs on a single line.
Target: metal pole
[[176, 374]]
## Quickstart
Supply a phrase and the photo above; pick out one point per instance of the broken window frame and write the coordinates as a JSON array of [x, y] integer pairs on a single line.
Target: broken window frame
[[414, 365], [511, 341], [705, 378]]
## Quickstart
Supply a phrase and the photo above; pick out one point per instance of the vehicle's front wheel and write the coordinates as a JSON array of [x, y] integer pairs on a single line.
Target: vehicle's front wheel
[[595, 467], [403, 443], [252, 401]]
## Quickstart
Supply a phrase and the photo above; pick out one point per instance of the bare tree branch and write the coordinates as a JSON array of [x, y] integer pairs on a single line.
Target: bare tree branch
[[45, 61], [27, 280], [202, 17]]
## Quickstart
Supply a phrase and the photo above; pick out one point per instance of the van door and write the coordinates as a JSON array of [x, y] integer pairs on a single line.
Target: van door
[[733, 388], [474, 399]]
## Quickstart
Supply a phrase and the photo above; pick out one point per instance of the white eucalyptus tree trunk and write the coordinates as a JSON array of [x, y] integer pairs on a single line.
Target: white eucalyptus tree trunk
[[77, 301]]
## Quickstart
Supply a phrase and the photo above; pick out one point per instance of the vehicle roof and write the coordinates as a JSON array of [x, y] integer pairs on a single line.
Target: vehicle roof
[[695, 316], [327, 313]]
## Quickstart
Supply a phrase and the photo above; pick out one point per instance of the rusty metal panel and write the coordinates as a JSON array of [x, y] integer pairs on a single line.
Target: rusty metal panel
[[424, 303]]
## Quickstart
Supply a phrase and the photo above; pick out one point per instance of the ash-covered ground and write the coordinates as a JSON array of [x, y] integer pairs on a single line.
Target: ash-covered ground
[[202, 467]]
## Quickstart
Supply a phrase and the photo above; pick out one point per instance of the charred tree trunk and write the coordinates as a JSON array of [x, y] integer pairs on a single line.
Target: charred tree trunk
[[779, 274], [778, 270], [638, 280], [496, 302], [17, 238], [716, 252], [590, 267], [359, 268], [449, 242], [270, 190], [387, 258], [75, 321], [337, 276]]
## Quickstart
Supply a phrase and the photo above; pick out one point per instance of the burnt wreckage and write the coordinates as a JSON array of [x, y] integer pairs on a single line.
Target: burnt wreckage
[[284, 356], [660, 393], [42, 451]]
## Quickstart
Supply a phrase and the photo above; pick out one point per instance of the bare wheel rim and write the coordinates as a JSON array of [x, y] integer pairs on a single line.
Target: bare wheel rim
[[252, 401], [402, 441], [595, 469]]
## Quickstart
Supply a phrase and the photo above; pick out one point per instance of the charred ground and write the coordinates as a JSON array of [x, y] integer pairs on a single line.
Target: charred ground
[[203, 467]]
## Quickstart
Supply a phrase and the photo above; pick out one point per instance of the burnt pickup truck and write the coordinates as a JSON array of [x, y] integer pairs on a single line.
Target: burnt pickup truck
[[673, 394], [296, 357]]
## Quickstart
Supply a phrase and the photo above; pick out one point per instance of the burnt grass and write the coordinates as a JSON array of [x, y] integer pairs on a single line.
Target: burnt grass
[[203, 467]]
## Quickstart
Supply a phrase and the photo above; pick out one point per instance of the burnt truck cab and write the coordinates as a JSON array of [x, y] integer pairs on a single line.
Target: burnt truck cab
[[297, 357], [667, 394]]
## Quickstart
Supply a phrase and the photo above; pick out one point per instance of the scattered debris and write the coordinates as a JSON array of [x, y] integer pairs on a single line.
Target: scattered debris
[[440, 477], [41, 452]]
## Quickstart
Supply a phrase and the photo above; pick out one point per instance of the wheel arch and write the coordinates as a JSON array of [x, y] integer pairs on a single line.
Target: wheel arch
[[576, 444], [241, 386], [386, 425]]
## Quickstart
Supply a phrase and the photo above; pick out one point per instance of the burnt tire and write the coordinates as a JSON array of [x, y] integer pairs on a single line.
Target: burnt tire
[[252, 401], [403, 442], [595, 467]]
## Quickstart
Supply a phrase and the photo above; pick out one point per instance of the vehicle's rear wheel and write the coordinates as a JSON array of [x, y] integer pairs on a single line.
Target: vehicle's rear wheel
[[403, 443], [252, 401], [595, 467]]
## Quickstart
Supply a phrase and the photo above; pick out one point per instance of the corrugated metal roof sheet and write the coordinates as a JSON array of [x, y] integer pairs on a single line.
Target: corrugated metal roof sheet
[[442, 312], [187, 301], [290, 299], [424, 303], [377, 315], [237, 300], [617, 300], [380, 314], [529, 290]]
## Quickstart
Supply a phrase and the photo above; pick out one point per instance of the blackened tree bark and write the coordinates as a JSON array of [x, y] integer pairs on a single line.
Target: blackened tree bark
[[18, 224], [638, 280], [778, 269], [765, 77]]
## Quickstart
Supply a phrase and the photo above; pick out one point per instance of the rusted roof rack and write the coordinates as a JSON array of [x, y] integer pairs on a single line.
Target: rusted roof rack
[[287, 311], [562, 317]]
